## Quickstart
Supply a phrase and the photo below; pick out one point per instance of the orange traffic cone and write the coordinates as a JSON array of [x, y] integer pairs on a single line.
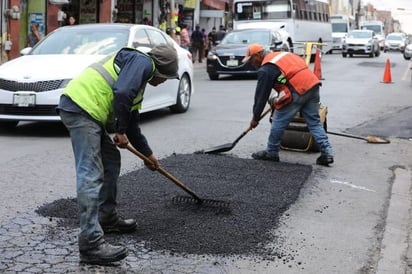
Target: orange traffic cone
[[317, 69], [387, 78]]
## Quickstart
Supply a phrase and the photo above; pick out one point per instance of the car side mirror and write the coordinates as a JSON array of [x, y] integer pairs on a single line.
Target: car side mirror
[[275, 45], [25, 51]]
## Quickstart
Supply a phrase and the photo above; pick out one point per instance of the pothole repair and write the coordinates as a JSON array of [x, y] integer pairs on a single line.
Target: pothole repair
[[258, 191]]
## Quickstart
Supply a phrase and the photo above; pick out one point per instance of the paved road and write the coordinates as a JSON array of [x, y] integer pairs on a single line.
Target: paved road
[[352, 218]]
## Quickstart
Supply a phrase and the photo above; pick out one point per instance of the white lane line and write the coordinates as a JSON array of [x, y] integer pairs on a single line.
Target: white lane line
[[407, 72], [334, 181]]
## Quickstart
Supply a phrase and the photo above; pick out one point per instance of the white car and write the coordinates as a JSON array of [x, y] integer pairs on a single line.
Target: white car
[[361, 42], [407, 54], [31, 85], [395, 42]]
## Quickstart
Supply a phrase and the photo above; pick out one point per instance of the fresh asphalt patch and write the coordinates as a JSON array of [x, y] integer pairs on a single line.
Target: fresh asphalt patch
[[259, 192]]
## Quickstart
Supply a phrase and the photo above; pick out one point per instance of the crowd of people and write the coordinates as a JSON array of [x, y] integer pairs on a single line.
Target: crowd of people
[[198, 42]]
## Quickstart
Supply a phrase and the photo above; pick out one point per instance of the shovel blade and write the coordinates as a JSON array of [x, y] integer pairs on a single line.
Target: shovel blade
[[219, 149]]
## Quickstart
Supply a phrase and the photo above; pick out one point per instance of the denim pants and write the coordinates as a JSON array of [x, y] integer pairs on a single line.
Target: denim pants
[[97, 162], [308, 105]]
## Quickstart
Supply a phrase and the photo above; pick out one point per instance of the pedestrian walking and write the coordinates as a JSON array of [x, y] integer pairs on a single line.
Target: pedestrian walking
[[109, 94], [298, 91], [205, 44], [212, 37], [61, 17], [34, 36], [197, 44], [220, 34]]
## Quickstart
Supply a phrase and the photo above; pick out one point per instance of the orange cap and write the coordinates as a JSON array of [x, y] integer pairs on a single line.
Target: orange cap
[[252, 49]]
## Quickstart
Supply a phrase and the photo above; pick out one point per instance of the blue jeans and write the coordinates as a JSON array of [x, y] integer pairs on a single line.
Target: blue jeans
[[308, 105], [97, 162]]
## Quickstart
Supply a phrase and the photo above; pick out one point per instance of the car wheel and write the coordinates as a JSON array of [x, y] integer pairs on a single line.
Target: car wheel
[[8, 124], [406, 57], [372, 54], [213, 76], [344, 55], [184, 94], [350, 55]]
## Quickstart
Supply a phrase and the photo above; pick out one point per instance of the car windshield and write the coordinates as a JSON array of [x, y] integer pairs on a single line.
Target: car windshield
[[394, 37], [247, 37], [82, 41], [360, 34]]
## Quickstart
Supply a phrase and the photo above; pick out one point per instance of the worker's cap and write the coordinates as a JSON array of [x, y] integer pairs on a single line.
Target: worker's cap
[[166, 62], [252, 49]]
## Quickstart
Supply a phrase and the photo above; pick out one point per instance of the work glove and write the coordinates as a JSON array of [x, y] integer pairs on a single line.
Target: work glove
[[153, 164]]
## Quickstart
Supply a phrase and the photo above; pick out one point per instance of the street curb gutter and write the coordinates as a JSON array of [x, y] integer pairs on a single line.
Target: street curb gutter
[[396, 237]]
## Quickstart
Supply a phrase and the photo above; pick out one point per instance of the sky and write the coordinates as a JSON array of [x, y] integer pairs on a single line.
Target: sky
[[404, 16]]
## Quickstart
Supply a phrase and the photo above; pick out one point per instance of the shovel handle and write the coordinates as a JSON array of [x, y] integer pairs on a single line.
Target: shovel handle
[[260, 118], [164, 172], [250, 128]]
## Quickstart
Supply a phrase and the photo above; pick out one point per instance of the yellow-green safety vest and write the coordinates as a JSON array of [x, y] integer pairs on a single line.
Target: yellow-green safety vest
[[92, 89]]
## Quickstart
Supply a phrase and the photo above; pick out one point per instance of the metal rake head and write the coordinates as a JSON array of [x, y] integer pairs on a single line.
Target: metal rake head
[[221, 206]]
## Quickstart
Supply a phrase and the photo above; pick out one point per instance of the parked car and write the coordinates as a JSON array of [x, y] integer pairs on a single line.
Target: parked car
[[362, 42], [407, 54], [395, 41], [226, 57], [31, 85]]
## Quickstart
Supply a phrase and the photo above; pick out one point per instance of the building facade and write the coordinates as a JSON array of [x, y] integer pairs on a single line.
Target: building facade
[[17, 15]]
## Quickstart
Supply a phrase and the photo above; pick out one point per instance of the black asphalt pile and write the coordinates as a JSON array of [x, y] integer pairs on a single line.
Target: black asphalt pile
[[258, 192]]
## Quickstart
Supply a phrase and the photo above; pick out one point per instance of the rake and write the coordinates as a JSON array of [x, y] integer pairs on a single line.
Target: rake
[[194, 199]]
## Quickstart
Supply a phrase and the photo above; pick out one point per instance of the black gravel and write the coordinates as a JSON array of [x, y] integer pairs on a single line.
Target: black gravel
[[258, 192]]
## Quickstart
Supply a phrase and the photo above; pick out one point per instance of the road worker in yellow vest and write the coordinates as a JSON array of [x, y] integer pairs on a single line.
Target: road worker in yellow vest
[[297, 89], [109, 92]]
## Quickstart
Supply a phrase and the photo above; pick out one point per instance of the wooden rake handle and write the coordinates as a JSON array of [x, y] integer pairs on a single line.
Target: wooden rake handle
[[163, 172]]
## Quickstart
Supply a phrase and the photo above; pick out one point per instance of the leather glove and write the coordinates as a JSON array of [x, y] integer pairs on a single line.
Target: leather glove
[[153, 164]]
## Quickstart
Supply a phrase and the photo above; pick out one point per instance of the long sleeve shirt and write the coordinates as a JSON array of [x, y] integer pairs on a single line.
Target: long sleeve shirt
[[267, 75], [135, 71]]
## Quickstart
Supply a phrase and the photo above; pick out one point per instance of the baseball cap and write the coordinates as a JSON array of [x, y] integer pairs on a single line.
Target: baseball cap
[[252, 49], [166, 61]]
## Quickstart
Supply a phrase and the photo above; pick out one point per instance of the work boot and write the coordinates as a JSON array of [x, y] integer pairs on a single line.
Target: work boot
[[120, 226], [103, 254], [324, 160], [263, 155]]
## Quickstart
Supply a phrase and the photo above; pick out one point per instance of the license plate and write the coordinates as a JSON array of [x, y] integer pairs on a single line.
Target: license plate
[[232, 63], [24, 99]]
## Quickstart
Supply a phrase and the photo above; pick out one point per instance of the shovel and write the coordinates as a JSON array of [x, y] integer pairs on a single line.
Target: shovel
[[229, 146]]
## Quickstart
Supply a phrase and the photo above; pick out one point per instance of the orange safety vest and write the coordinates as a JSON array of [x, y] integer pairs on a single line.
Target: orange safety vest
[[294, 74]]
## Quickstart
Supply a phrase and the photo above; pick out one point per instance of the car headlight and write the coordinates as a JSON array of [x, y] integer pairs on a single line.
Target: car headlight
[[211, 55]]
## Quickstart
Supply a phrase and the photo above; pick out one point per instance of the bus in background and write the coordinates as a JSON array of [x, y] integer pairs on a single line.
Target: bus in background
[[305, 21], [378, 28], [341, 25]]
